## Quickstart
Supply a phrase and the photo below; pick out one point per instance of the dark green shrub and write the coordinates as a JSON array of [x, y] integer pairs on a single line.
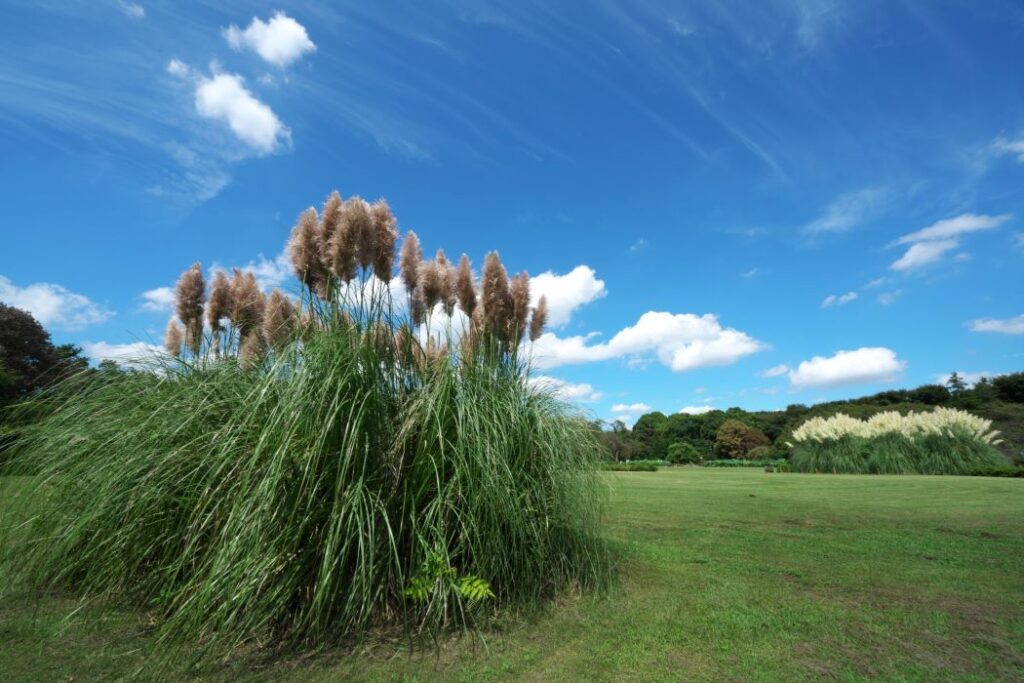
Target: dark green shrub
[[761, 453], [683, 453], [629, 467]]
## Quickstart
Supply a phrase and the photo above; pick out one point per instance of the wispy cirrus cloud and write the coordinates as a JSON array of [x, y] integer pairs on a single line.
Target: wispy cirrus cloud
[[1014, 325], [849, 210], [931, 244], [838, 299]]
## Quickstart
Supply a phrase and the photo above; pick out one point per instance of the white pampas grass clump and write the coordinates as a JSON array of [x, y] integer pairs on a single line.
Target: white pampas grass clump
[[941, 421]]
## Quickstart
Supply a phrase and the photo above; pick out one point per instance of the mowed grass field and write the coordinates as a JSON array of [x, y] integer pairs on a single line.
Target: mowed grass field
[[725, 575]]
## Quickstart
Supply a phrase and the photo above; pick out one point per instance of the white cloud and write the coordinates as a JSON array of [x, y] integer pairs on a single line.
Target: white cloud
[[1018, 241], [224, 97], [135, 353], [280, 41], [922, 254], [566, 391], [53, 305], [950, 228], [887, 298], [270, 273], [775, 371], [131, 9], [178, 68], [159, 299], [631, 408], [681, 341], [1002, 146], [969, 378], [849, 210], [841, 299], [566, 293], [877, 282], [1005, 326], [697, 410], [638, 245], [750, 273], [863, 365]]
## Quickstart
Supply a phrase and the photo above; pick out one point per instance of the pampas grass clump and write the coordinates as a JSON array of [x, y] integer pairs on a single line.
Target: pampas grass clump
[[320, 466], [942, 441]]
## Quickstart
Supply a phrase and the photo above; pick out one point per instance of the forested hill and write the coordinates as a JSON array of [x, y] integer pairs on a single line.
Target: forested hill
[[1000, 399]]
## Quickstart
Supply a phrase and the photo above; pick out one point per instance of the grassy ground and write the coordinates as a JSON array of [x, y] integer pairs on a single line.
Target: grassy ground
[[727, 575]]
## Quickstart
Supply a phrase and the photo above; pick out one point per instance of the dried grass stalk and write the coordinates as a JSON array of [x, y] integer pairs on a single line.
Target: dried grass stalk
[[446, 277], [173, 338], [360, 223], [385, 230], [341, 248], [248, 303], [520, 291], [304, 251], [331, 217], [279, 320], [219, 305], [496, 295], [539, 319], [409, 261], [430, 284], [465, 289], [251, 351]]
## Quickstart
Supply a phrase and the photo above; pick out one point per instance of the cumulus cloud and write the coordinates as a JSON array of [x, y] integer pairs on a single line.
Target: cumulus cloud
[[950, 228], [776, 371], [123, 354], [159, 299], [566, 293], [697, 410], [861, 366], [631, 408], [838, 300], [849, 210], [280, 41], [1000, 326], [225, 98], [566, 391], [923, 254], [681, 341], [53, 305]]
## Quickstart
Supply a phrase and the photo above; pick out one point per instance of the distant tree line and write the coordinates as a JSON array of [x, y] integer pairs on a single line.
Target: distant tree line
[[738, 433]]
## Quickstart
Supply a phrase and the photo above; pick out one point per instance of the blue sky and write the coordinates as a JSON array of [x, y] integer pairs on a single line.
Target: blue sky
[[732, 203]]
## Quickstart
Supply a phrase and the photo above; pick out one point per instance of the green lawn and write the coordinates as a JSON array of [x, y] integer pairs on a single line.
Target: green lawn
[[726, 575]]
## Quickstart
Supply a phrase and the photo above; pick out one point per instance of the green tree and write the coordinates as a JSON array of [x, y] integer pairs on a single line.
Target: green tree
[[735, 439], [955, 383], [648, 435], [1010, 388]]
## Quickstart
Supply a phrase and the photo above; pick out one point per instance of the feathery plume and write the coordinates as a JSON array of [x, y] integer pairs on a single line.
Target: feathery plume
[[417, 307], [173, 338], [330, 218], [341, 248], [446, 279], [409, 261], [279, 320], [496, 295], [430, 284], [464, 287], [385, 233], [520, 291], [304, 251], [190, 294], [539, 319], [251, 351], [219, 305], [247, 303], [360, 222]]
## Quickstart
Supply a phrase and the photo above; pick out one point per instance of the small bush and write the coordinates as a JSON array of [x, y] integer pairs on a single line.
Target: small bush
[[682, 453], [744, 463], [761, 453], [629, 467], [1016, 472]]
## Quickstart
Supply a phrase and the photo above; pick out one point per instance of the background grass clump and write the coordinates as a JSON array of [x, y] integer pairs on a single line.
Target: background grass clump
[[944, 441], [297, 471]]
